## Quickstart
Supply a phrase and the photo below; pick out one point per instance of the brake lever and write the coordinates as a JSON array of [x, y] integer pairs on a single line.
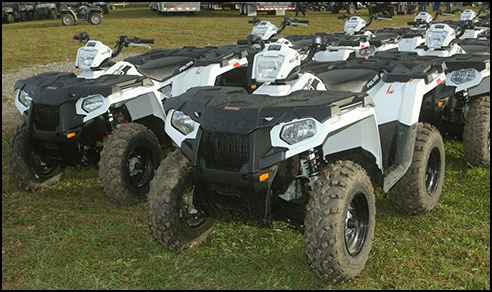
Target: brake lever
[[139, 45]]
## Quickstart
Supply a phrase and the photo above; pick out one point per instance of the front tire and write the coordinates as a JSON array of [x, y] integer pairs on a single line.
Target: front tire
[[95, 18], [173, 219], [340, 221], [67, 19], [24, 165], [476, 135], [418, 191], [129, 158]]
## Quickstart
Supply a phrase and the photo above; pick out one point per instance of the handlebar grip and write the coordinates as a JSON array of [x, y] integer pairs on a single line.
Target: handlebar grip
[[302, 21], [146, 41], [341, 17], [411, 23], [251, 21], [76, 37], [242, 42]]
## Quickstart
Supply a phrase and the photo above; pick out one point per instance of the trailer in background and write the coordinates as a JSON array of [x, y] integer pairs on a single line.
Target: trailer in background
[[222, 5], [277, 8], [163, 7]]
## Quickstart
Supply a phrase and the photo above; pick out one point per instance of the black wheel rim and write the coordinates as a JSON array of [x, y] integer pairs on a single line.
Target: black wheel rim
[[356, 224], [433, 171], [139, 166], [190, 214]]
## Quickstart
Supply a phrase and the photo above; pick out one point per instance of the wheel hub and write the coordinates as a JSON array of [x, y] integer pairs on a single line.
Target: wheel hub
[[356, 225], [433, 171]]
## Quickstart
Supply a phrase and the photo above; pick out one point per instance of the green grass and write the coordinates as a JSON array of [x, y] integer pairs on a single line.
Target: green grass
[[69, 236], [45, 41]]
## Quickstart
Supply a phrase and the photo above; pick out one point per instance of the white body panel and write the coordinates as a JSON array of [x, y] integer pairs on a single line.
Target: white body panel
[[399, 101], [410, 44], [472, 33], [453, 50], [304, 82]]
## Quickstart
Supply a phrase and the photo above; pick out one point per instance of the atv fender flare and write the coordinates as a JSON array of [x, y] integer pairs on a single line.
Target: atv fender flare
[[354, 128], [70, 12]]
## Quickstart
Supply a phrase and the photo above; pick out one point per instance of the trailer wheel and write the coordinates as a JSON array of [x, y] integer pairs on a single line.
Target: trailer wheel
[[476, 135], [340, 221], [418, 191], [174, 220]]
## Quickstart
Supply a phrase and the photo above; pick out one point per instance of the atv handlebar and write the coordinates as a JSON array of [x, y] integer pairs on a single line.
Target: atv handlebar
[[125, 41], [254, 20], [295, 22]]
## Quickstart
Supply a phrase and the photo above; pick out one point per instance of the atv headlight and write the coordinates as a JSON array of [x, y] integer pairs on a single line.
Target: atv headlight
[[24, 98], [298, 131], [183, 123], [367, 51], [268, 68], [463, 76], [436, 39], [86, 57], [92, 103]]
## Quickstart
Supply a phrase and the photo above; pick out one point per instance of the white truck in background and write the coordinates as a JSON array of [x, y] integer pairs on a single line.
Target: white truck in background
[[277, 8], [175, 6]]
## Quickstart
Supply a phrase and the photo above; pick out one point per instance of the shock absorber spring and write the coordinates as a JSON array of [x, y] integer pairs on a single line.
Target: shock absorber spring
[[312, 162]]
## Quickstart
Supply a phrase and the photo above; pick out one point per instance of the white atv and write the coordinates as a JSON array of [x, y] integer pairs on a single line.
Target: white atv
[[69, 118], [356, 38], [301, 154]]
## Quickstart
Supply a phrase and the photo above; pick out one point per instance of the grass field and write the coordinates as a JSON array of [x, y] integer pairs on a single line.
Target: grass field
[[69, 236]]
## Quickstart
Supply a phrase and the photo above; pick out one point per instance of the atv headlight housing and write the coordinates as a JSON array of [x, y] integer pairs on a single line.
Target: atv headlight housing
[[268, 68], [24, 98], [437, 39], [463, 76], [298, 131], [92, 103], [183, 123], [367, 51], [86, 58]]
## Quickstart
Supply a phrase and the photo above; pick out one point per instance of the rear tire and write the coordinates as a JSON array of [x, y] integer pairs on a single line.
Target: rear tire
[[340, 221], [10, 18], [174, 222], [418, 191], [24, 166], [129, 158], [476, 135], [67, 19]]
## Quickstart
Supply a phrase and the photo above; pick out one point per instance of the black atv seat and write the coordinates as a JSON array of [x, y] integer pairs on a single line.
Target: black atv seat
[[347, 79], [476, 49], [163, 68], [411, 33]]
